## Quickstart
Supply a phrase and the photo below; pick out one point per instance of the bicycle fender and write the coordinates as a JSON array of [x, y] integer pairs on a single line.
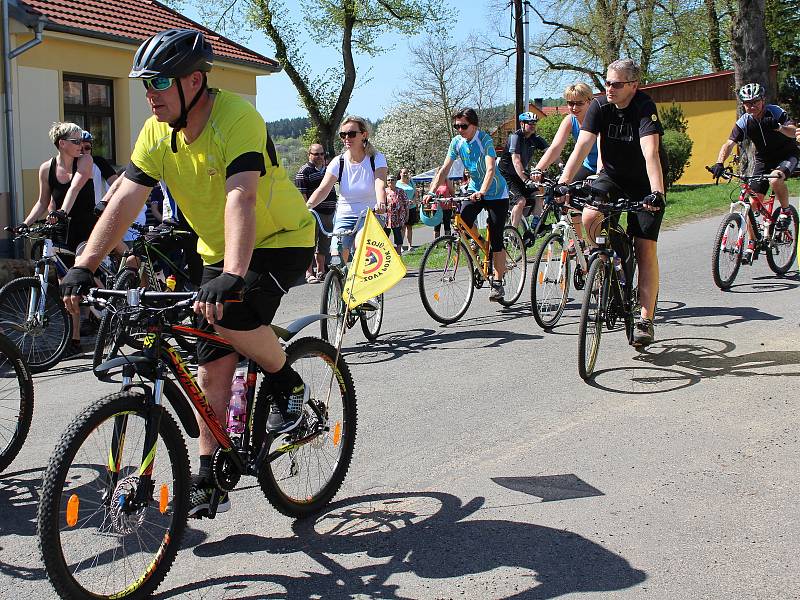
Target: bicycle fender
[[182, 407], [293, 328]]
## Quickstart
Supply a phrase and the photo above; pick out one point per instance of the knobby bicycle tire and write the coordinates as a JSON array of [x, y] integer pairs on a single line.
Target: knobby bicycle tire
[[593, 311], [286, 482], [111, 334], [557, 273], [441, 287], [332, 304], [786, 239], [14, 297], [729, 230], [516, 266], [372, 317], [16, 394], [62, 543]]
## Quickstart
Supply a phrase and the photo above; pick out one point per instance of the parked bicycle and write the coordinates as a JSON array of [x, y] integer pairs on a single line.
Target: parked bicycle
[[114, 498], [775, 231], [369, 312], [31, 312], [448, 275], [611, 292], [16, 401], [552, 273]]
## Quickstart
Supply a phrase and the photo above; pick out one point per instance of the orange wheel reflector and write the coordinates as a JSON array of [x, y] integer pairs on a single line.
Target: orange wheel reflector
[[436, 296], [541, 277], [163, 498], [337, 433], [72, 510], [548, 255], [562, 284], [563, 256]]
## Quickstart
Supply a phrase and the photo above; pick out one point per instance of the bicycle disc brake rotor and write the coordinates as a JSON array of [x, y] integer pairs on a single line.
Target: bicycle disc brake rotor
[[125, 521], [226, 476]]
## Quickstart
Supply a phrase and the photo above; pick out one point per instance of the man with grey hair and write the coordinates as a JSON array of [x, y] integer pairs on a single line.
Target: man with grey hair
[[634, 163], [307, 181]]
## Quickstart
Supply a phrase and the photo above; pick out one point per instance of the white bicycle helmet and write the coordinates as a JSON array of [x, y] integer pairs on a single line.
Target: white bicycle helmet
[[528, 117], [751, 91]]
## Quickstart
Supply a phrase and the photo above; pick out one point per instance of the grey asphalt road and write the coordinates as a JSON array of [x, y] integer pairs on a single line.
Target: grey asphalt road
[[486, 468]]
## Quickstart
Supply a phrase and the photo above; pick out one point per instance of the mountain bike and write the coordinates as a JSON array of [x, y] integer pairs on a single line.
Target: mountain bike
[[154, 268], [612, 292], [114, 498], [369, 312], [551, 264], [448, 276], [31, 312], [16, 401], [775, 237], [531, 227]]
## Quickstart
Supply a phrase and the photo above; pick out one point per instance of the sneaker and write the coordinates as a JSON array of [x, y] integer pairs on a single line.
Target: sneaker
[[643, 332], [284, 420], [749, 253], [200, 498], [497, 293]]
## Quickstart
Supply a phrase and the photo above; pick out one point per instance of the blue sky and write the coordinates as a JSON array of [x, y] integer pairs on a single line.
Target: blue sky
[[278, 99]]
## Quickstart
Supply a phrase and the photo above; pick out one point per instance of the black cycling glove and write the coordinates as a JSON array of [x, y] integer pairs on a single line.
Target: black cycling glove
[[560, 190], [77, 282], [531, 184], [717, 170], [769, 122], [225, 287], [656, 200], [59, 215]]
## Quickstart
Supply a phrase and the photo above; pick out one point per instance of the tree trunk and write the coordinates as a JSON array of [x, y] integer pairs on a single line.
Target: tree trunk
[[712, 20], [520, 103], [749, 45]]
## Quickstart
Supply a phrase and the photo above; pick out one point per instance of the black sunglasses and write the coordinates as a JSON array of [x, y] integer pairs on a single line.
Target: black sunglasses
[[317, 153], [348, 134], [73, 141], [617, 85], [461, 126], [575, 102]]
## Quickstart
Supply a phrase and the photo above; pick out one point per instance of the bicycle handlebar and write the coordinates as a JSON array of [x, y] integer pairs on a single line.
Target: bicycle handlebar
[[140, 297], [728, 174], [361, 218]]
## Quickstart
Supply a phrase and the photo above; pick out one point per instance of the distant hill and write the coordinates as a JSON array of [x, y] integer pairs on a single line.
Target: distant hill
[[288, 128]]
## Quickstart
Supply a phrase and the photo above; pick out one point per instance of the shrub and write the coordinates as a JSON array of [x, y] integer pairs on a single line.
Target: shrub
[[672, 117], [547, 128], [678, 147]]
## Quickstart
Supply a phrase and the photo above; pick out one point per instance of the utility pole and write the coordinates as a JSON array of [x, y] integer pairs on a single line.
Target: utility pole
[[520, 104]]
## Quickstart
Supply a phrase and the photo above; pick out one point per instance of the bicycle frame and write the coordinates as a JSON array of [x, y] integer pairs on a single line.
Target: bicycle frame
[[466, 235], [568, 233], [747, 206]]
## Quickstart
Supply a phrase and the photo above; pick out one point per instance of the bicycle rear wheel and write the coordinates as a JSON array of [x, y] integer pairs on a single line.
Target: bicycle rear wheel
[[446, 279], [95, 539], [593, 311], [516, 265], [303, 477], [332, 304], [16, 401], [783, 246], [371, 317], [726, 257], [550, 281], [41, 343]]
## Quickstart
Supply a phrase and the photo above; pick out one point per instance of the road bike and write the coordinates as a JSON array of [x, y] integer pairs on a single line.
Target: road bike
[[155, 266], [775, 237], [611, 293], [369, 312], [16, 401], [552, 271], [115, 494], [448, 275], [31, 312]]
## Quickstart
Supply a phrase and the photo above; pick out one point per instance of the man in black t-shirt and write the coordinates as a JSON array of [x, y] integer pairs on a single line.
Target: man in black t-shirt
[[513, 165], [634, 163], [307, 181]]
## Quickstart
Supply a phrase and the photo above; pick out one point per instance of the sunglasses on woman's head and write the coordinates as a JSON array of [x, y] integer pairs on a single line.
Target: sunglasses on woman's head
[[159, 84], [348, 134], [461, 126]]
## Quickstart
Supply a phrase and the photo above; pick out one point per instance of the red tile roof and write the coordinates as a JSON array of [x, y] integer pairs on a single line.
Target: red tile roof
[[133, 21]]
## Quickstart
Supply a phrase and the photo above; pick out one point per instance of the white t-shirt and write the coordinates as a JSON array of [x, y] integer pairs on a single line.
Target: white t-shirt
[[357, 188]]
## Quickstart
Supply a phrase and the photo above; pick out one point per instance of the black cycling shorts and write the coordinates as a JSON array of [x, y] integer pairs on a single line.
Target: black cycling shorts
[[762, 166], [498, 211], [643, 224], [271, 273]]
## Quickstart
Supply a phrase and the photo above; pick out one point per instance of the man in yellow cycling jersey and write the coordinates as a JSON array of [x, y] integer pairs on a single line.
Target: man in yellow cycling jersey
[[256, 236]]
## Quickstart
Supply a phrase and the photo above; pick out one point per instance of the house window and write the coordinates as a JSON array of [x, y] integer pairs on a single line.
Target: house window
[[89, 102]]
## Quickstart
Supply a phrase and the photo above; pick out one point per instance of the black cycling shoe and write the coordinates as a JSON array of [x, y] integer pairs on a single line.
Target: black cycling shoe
[[643, 332], [200, 498], [286, 415]]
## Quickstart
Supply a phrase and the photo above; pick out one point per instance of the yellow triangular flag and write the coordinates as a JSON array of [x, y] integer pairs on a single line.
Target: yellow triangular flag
[[376, 267]]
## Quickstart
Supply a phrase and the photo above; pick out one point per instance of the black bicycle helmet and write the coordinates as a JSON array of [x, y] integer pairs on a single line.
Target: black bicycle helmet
[[174, 53]]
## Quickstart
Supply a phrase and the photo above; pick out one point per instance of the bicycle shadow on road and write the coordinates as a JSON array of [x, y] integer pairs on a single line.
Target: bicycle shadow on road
[[767, 284], [675, 313], [425, 535]]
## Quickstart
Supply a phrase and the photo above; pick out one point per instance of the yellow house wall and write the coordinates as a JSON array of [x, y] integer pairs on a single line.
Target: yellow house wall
[[38, 83], [710, 123]]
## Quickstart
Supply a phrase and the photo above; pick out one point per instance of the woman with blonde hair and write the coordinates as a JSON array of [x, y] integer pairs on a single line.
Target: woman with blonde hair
[[361, 173]]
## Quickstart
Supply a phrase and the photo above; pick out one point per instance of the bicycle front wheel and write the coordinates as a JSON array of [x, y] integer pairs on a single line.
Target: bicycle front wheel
[[372, 317], [516, 266], [111, 333], [550, 281], [332, 329], [42, 338], [106, 530], [783, 243], [446, 279], [306, 468], [16, 401], [726, 258], [595, 303]]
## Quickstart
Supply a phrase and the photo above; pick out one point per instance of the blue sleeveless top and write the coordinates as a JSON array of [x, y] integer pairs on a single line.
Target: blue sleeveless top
[[590, 162]]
